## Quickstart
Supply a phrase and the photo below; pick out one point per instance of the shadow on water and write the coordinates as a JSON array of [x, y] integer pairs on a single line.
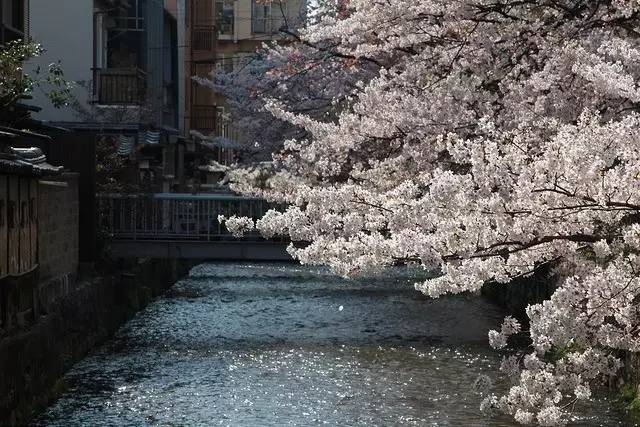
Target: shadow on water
[[273, 344]]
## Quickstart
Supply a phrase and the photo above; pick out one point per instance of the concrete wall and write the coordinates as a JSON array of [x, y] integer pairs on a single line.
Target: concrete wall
[[65, 29], [58, 227]]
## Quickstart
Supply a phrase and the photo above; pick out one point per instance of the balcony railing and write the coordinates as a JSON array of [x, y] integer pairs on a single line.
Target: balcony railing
[[226, 26], [210, 121], [203, 39], [227, 130], [119, 86], [203, 118]]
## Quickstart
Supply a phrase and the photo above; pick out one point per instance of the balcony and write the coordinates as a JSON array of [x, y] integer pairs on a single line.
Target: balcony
[[203, 118], [209, 120], [203, 39], [226, 129], [119, 86]]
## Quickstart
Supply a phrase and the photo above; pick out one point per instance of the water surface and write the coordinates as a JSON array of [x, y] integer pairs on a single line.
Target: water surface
[[276, 344]]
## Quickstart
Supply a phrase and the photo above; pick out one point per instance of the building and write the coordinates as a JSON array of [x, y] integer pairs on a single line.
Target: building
[[215, 35], [121, 55], [132, 63], [14, 20], [122, 58]]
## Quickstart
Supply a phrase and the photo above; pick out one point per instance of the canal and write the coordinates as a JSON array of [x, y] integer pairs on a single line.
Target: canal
[[271, 345]]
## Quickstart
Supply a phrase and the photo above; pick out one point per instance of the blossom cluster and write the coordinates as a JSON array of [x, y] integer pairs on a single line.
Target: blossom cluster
[[487, 140]]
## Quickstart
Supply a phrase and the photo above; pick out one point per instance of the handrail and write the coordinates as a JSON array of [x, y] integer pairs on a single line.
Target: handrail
[[176, 217], [133, 71], [119, 85], [178, 196]]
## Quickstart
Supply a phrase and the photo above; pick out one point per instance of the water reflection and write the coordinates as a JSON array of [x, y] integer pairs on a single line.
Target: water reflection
[[245, 345]]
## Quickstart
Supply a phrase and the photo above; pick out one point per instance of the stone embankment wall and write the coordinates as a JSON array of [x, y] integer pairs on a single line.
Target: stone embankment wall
[[523, 291], [53, 316], [632, 370], [535, 288], [78, 316]]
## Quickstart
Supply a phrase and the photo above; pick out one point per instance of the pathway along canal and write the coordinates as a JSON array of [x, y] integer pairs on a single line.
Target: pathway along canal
[[258, 345]]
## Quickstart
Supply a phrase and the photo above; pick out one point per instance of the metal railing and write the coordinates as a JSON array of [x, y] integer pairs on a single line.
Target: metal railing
[[203, 38], [209, 119], [168, 216], [123, 86], [203, 118], [226, 129], [266, 25]]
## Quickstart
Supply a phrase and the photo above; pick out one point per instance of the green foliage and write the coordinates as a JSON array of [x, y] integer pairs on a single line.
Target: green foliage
[[558, 353], [629, 398], [627, 393], [15, 84]]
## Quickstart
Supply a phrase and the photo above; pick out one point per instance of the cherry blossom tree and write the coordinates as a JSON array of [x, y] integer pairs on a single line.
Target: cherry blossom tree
[[494, 138], [305, 78]]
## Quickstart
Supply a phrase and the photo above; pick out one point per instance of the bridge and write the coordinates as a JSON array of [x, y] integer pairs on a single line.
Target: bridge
[[183, 226]]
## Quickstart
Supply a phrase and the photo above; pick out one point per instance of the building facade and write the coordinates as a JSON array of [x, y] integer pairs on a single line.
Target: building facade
[[223, 35], [132, 63], [122, 60], [121, 56]]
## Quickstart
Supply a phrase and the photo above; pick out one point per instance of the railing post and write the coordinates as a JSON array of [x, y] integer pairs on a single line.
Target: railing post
[[134, 217], [218, 213], [197, 219], [208, 220]]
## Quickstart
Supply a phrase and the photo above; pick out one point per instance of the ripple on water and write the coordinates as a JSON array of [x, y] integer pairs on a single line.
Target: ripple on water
[[267, 344]]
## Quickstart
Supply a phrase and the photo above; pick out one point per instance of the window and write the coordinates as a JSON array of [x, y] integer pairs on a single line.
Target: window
[[121, 43], [259, 15], [225, 16], [130, 18], [267, 18]]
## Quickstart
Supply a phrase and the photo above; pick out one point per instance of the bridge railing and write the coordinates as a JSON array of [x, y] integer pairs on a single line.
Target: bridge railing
[[169, 216]]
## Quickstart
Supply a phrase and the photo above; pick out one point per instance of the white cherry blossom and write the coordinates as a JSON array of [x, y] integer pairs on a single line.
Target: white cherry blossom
[[480, 140]]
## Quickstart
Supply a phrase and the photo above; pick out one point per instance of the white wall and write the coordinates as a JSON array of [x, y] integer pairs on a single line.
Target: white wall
[[65, 30]]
